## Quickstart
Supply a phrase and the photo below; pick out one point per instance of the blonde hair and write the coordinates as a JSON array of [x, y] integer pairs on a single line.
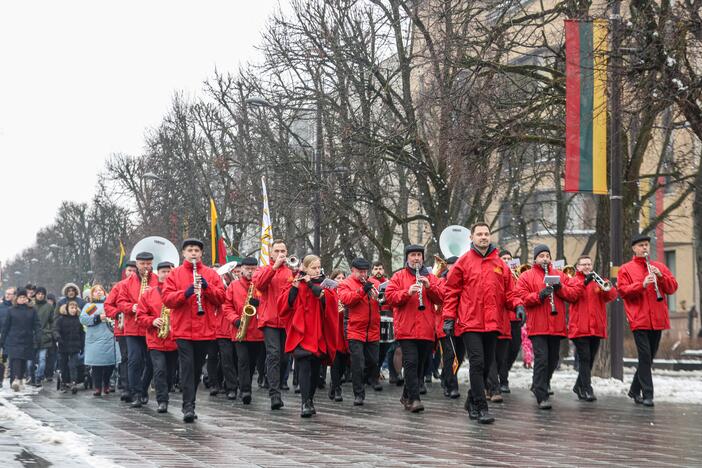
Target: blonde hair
[[307, 261], [91, 296]]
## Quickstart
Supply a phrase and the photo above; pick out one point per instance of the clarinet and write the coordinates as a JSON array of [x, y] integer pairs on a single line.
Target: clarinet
[[553, 302], [198, 294], [421, 287], [659, 296]]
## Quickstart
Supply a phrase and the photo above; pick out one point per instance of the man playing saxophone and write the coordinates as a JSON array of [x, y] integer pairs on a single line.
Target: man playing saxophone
[[247, 337], [156, 319]]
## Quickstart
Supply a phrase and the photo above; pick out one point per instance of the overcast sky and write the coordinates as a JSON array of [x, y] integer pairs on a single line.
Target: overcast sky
[[81, 80]]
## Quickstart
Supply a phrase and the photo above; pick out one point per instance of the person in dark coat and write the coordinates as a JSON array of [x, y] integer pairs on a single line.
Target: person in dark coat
[[5, 305], [45, 311], [69, 334], [20, 337]]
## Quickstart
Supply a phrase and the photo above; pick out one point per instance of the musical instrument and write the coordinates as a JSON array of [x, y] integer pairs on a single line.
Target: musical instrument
[[421, 286], [292, 262], [246, 314], [165, 327], [454, 241], [387, 331], [120, 321], [162, 249], [142, 287], [550, 296], [659, 296], [373, 293], [440, 266], [602, 283], [516, 268], [569, 271], [198, 293]]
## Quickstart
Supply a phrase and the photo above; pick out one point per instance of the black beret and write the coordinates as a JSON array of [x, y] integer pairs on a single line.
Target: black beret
[[640, 238], [130, 263], [360, 263], [451, 260], [21, 292], [164, 265], [144, 256], [41, 290], [541, 248], [505, 252], [414, 248], [249, 261], [196, 242]]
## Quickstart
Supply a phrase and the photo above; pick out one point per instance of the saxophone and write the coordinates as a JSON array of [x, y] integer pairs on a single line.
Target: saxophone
[[144, 285], [165, 327], [246, 314]]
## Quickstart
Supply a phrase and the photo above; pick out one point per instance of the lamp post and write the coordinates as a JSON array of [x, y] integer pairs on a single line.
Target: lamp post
[[33, 270]]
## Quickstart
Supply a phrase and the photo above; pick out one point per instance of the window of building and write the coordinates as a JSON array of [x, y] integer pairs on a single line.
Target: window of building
[[670, 263]]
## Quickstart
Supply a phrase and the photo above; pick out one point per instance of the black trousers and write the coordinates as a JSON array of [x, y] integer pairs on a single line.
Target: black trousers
[[139, 368], [414, 357], [276, 359], [124, 364], [546, 349], [191, 356], [501, 351], [448, 344], [228, 360], [364, 355], [480, 348], [18, 368], [68, 364], [214, 370], [247, 353], [515, 346], [101, 376], [164, 364], [587, 347], [647, 342], [338, 368], [261, 364], [308, 365]]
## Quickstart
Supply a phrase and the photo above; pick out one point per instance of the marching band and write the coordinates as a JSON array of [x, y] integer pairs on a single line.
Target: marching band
[[471, 305]]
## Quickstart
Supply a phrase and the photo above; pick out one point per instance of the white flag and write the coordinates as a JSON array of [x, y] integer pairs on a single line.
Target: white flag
[[264, 256]]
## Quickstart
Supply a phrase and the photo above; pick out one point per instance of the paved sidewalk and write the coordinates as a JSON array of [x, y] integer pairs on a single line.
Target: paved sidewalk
[[612, 432]]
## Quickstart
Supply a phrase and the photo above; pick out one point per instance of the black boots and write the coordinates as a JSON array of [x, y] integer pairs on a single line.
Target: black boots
[[306, 410], [189, 414], [162, 407], [276, 402], [246, 398], [358, 400]]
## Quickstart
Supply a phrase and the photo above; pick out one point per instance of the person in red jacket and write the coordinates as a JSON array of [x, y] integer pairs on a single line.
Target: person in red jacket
[[193, 297], [112, 311], [647, 315], [271, 280], [222, 366], [139, 369], [359, 296], [450, 346], [251, 346], [414, 293], [388, 349], [312, 327], [478, 292], [341, 359], [162, 351], [546, 329]]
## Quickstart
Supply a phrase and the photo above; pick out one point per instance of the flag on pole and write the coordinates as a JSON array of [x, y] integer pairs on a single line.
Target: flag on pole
[[122, 259], [219, 247], [586, 106], [266, 230]]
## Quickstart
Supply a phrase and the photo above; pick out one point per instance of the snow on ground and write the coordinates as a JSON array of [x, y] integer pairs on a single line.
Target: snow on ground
[[669, 386], [60, 447]]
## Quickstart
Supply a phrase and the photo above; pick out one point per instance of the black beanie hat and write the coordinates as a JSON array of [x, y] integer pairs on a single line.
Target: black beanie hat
[[41, 290], [541, 248]]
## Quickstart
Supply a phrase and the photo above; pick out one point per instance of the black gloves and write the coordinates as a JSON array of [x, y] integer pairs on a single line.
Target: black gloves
[[316, 290], [556, 287], [203, 282], [547, 291], [520, 312], [190, 291], [588, 278], [448, 327], [237, 323], [254, 302], [367, 286]]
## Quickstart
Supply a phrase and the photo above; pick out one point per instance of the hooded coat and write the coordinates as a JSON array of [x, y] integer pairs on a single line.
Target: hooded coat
[[20, 333], [101, 349]]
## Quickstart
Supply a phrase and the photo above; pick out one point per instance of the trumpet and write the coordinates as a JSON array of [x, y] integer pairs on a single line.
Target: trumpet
[[602, 283], [246, 314], [440, 266], [569, 271], [373, 293], [292, 262], [659, 296]]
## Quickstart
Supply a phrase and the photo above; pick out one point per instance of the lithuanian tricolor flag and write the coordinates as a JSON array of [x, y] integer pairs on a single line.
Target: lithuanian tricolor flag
[[122, 260], [219, 247], [586, 106]]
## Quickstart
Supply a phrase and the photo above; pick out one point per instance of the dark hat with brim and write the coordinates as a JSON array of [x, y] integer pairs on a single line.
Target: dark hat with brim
[[130, 263], [505, 252], [541, 248], [249, 261], [640, 238], [360, 264], [414, 248], [189, 242], [144, 256], [164, 265], [451, 260]]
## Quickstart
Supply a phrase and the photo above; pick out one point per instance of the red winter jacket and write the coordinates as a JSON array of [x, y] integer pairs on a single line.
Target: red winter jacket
[[439, 319], [411, 323], [385, 310], [309, 326], [539, 318], [233, 306], [479, 291], [271, 284], [128, 296], [148, 310], [588, 315], [187, 325], [363, 313], [223, 327], [111, 309], [642, 310]]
